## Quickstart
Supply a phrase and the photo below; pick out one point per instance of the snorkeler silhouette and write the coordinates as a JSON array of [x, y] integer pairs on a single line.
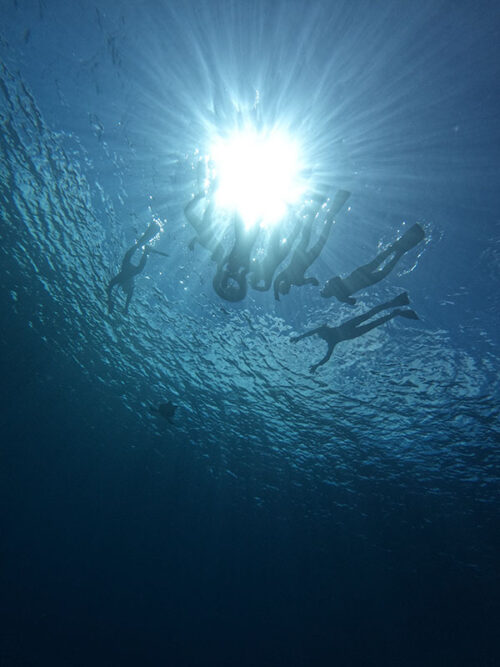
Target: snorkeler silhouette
[[352, 329], [128, 271], [302, 258], [205, 224], [369, 274], [278, 247], [230, 278], [165, 410]]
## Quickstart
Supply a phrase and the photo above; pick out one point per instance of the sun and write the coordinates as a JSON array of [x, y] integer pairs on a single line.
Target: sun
[[258, 174]]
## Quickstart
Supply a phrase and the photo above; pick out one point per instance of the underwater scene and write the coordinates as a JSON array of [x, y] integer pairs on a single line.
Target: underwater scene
[[250, 272]]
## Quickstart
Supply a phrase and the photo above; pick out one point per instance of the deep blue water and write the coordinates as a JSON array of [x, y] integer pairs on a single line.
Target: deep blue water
[[344, 518]]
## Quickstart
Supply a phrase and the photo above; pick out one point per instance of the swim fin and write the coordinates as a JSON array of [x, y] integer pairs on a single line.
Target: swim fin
[[400, 300], [410, 239], [409, 314]]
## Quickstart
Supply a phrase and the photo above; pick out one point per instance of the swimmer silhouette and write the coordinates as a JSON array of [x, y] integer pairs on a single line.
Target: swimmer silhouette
[[125, 279], [302, 258], [230, 281], [369, 274], [352, 328], [165, 410], [278, 247], [204, 223]]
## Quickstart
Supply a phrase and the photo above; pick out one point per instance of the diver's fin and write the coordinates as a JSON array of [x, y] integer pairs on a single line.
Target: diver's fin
[[409, 314], [400, 300]]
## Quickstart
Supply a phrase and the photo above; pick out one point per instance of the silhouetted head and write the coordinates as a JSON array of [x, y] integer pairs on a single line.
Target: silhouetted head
[[335, 287]]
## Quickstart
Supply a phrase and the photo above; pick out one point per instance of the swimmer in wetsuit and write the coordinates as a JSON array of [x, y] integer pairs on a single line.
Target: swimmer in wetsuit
[[302, 258], [370, 273], [230, 281], [354, 327], [128, 271]]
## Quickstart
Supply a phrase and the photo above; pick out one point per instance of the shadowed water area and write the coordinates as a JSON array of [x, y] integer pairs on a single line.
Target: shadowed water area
[[394, 442]]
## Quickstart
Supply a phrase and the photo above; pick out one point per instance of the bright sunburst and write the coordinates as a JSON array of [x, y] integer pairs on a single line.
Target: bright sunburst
[[258, 174]]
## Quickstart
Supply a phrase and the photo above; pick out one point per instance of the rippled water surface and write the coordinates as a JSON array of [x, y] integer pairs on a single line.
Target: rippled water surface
[[103, 112]]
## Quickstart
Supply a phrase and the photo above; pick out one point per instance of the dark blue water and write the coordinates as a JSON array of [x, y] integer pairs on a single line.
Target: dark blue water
[[284, 519]]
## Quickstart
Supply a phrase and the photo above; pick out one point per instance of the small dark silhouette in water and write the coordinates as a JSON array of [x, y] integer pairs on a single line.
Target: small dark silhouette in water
[[165, 410], [302, 258], [352, 329], [369, 274], [128, 272]]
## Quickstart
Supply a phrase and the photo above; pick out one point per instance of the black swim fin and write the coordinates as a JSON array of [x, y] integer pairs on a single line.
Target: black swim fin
[[409, 314], [400, 300], [410, 239]]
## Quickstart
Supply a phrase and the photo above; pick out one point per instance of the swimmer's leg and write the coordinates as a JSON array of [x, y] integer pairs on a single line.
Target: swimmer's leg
[[338, 202], [357, 331], [408, 313], [109, 290], [316, 249], [400, 300], [127, 257], [150, 233], [410, 239], [130, 292]]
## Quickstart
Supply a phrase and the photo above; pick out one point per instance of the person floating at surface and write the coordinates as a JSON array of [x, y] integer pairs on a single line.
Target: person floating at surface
[[302, 258], [230, 278], [165, 410], [353, 328], [128, 271], [262, 272], [370, 273], [205, 225]]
